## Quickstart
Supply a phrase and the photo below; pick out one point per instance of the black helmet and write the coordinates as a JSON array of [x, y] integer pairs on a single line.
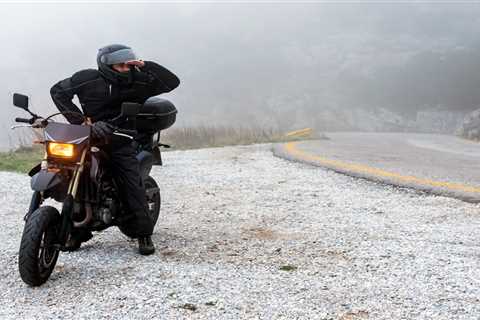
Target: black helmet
[[113, 54]]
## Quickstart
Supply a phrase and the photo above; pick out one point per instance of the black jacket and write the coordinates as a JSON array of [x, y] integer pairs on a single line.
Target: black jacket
[[101, 98]]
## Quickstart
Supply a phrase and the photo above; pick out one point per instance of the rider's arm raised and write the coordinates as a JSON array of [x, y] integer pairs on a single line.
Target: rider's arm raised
[[160, 79]]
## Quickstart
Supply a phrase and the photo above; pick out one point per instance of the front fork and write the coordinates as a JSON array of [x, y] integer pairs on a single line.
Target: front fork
[[34, 204], [67, 208]]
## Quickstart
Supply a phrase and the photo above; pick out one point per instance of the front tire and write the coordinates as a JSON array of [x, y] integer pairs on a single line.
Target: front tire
[[38, 254]]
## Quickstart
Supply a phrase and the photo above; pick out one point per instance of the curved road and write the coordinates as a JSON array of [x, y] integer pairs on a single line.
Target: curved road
[[439, 164]]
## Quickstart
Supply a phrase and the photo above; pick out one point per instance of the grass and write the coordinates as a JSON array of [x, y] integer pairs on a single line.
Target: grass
[[24, 158], [209, 137]]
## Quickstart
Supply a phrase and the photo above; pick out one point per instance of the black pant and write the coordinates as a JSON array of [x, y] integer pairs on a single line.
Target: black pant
[[125, 169]]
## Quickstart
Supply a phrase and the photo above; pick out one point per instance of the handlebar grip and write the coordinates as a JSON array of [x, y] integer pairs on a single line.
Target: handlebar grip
[[24, 120]]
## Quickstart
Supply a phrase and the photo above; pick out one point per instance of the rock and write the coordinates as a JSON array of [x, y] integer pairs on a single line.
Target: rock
[[470, 127], [288, 268], [188, 306]]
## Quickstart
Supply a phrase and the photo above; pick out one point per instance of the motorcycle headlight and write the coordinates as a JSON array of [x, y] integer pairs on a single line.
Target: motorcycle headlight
[[62, 150]]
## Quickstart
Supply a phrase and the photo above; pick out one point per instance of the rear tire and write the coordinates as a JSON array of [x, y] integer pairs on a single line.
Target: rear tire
[[38, 254], [153, 203]]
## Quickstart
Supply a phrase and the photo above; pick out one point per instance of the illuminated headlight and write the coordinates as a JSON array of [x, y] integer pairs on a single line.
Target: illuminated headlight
[[63, 150]]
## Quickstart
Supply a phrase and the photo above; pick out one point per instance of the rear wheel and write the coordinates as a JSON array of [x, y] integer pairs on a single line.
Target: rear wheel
[[38, 251], [153, 199], [153, 203]]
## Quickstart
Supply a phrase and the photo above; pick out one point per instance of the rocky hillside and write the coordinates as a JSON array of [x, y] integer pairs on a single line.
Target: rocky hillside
[[470, 126]]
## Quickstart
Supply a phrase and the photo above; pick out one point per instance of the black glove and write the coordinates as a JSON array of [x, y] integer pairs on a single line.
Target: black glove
[[101, 130]]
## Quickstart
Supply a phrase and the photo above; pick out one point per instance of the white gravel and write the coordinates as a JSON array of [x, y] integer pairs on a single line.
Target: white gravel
[[231, 219]]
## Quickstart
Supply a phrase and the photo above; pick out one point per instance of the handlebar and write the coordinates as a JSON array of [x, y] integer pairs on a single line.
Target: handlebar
[[115, 122], [30, 121]]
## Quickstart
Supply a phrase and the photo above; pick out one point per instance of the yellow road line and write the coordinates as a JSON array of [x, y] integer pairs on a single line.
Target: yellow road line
[[293, 150], [299, 133]]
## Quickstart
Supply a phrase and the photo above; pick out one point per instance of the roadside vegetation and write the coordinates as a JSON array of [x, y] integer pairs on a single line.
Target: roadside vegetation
[[25, 157], [211, 136], [21, 159]]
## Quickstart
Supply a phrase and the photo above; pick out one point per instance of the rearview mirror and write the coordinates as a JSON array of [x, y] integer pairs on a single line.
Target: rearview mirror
[[20, 100], [130, 109]]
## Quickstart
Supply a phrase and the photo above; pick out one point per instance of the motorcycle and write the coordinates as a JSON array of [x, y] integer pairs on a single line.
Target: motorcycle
[[75, 172]]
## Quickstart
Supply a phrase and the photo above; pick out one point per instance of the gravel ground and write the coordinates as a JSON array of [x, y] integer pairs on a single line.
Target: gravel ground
[[243, 234]]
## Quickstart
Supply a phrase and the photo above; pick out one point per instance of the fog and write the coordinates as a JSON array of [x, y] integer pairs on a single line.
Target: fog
[[269, 64]]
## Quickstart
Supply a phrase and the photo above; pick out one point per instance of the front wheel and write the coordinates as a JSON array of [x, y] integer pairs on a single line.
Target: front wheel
[[38, 251], [153, 203]]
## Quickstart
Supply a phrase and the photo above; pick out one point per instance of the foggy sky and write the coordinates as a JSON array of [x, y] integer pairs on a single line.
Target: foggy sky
[[242, 62]]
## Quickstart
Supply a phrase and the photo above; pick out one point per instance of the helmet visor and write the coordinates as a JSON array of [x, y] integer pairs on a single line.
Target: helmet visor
[[119, 56]]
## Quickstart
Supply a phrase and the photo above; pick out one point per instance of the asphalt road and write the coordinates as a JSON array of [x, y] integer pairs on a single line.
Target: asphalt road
[[439, 164]]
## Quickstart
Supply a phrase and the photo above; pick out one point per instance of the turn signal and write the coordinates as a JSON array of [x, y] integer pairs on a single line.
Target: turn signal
[[64, 150]]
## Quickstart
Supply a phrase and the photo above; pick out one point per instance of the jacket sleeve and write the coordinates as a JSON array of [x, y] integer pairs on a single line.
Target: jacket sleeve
[[161, 79], [62, 94]]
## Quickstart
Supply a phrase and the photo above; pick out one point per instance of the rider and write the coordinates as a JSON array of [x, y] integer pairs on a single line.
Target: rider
[[121, 77]]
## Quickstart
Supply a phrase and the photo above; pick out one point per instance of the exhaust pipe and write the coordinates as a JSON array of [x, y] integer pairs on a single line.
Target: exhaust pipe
[[88, 217]]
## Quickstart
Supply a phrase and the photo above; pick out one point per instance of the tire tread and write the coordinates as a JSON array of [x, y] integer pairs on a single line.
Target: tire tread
[[34, 227]]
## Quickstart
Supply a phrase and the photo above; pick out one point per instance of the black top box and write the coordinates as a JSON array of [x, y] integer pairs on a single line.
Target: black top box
[[156, 114]]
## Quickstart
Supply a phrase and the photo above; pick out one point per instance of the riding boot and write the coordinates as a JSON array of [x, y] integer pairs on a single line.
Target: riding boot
[[145, 245]]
